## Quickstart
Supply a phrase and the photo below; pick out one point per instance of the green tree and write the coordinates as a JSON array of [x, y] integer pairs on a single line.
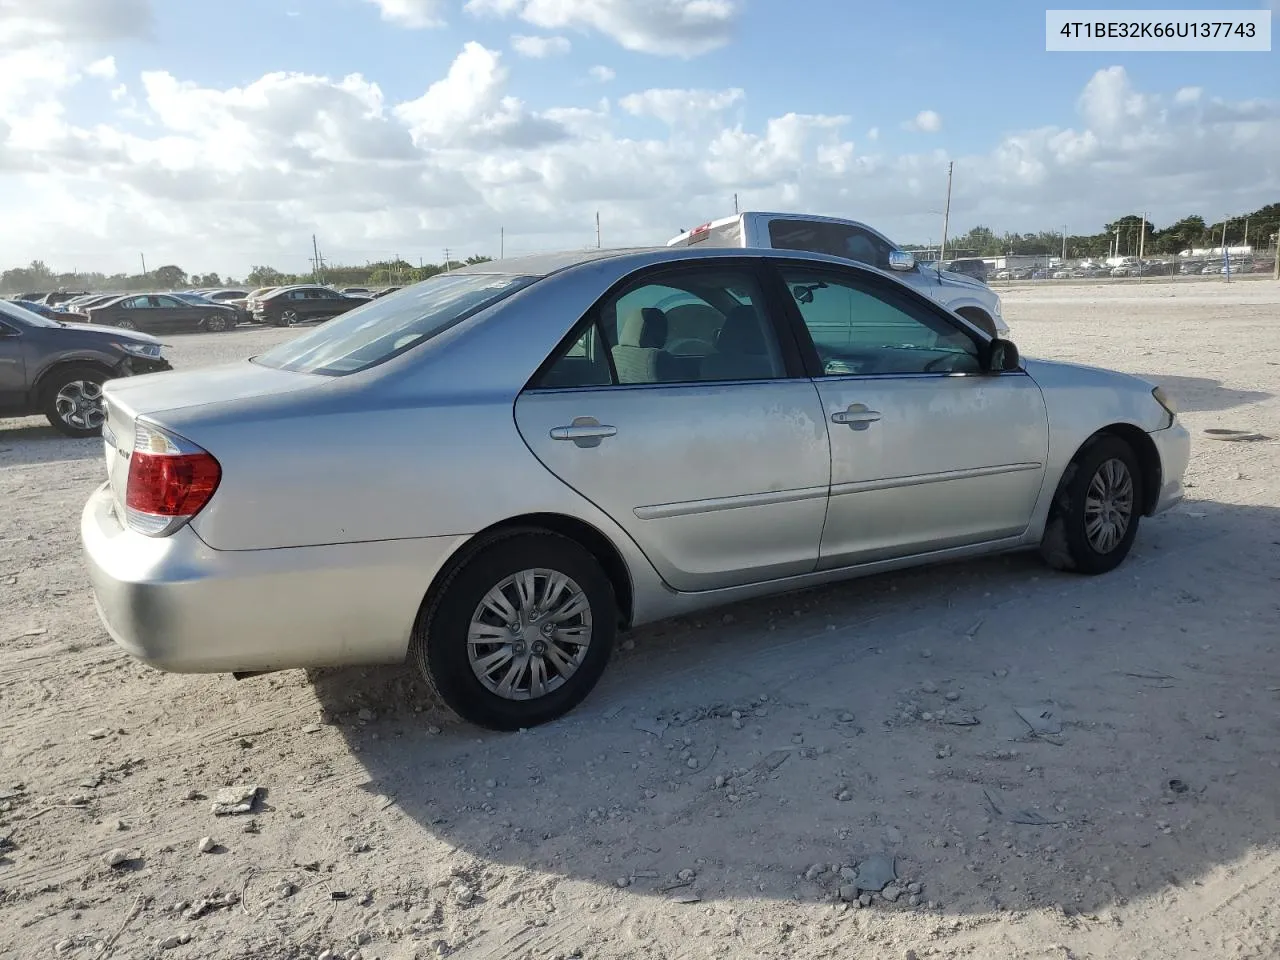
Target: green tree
[[169, 276], [262, 276]]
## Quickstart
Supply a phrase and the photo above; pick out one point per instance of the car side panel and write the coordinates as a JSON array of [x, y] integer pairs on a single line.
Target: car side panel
[[13, 369]]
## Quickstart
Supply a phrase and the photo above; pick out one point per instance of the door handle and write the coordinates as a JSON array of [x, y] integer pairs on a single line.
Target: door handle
[[857, 417], [584, 432]]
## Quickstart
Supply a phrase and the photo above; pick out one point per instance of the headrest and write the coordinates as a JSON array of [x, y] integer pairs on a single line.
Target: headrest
[[646, 327], [741, 333]]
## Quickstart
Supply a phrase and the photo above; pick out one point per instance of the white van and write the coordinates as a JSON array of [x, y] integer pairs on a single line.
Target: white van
[[965, 295]]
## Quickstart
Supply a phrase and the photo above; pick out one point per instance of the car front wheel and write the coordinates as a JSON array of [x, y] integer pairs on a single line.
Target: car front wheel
[[215, 323], [519, 632], [1094, 517], [289, 318], [73, 401]]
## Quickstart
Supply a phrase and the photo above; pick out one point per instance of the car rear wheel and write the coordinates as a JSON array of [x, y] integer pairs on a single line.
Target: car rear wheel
[[289, 318], [1094, 517], [126, 324], [519, 632], [216, 323], [73, 401]]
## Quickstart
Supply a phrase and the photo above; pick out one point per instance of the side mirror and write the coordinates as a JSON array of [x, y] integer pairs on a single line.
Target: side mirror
[[1002, 356], [901, 260]]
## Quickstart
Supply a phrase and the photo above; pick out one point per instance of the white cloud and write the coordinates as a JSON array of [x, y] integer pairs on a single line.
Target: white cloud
[[926, 121], [602, 74], [32, 22], [103, 69], [873, 134], [414, 14], [670, 28], [1190, 94], [539, 48], [468, 108], [675, 107], [222, 178]]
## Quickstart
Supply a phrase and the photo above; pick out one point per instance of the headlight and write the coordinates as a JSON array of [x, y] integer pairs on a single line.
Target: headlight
[[140, 349], [1166, 401]]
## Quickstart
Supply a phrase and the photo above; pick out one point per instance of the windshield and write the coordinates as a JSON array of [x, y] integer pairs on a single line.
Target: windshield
[[389, 326], [14, 311]]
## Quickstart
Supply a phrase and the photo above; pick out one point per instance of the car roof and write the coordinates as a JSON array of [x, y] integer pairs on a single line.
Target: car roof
[[543, 265]]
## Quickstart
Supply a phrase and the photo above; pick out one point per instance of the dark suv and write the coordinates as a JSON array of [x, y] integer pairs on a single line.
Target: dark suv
[[58, 368], [290, 305]]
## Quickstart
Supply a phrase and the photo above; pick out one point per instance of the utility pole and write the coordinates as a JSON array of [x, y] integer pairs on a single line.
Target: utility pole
[[597, 229], [446, 260], [1064, 244], [1245, 241], [315, 252], [946, 217], [1142, 243], [735, 204], [143, 258]]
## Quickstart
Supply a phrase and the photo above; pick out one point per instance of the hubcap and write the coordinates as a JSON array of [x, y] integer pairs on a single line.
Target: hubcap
[[215, 322], [79, 404], [529, 634], [1108, 506], [290, 317]]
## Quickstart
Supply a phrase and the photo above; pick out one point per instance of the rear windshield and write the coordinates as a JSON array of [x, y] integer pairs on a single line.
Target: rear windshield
[[386, 327]]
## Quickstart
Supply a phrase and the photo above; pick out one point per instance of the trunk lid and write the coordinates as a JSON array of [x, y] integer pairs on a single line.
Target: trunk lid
[[152, 396]]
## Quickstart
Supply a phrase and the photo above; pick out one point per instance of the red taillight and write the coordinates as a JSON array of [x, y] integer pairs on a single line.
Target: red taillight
[[170, 481]]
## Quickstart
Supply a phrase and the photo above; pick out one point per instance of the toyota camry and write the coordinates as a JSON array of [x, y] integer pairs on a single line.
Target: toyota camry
[[492, 472]]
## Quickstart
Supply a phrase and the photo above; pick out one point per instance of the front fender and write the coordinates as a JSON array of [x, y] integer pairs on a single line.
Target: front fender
[[1081, 400]]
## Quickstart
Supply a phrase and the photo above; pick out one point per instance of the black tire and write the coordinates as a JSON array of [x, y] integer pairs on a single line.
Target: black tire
[[50, 398], [980, 319], [215, 323], [439, 644], [1066, 544]]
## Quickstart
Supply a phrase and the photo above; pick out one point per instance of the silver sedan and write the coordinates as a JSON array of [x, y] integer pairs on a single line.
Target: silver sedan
[[494, 471]]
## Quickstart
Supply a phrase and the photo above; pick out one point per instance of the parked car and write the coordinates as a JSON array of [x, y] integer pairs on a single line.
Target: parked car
[[969, 297], [385, 290], [251, 299], [223, 296], [1061, 275], [61, 296], [845, 424], [356, 291], [969, 267], [82, 304], [49, 313], [292, 305], [57, 369], [162, 313], [1120, 271]]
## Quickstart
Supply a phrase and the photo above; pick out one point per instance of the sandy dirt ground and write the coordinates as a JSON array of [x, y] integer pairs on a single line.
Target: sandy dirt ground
[[708, 797]]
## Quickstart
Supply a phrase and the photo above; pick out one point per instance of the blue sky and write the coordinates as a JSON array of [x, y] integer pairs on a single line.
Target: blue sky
[[137, 148]]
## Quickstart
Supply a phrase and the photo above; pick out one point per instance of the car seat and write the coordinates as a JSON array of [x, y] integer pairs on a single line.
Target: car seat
[[742, 353]]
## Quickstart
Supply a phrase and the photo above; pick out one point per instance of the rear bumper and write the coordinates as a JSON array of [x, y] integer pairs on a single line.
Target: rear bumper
[[179, 605], [1173, 444]]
